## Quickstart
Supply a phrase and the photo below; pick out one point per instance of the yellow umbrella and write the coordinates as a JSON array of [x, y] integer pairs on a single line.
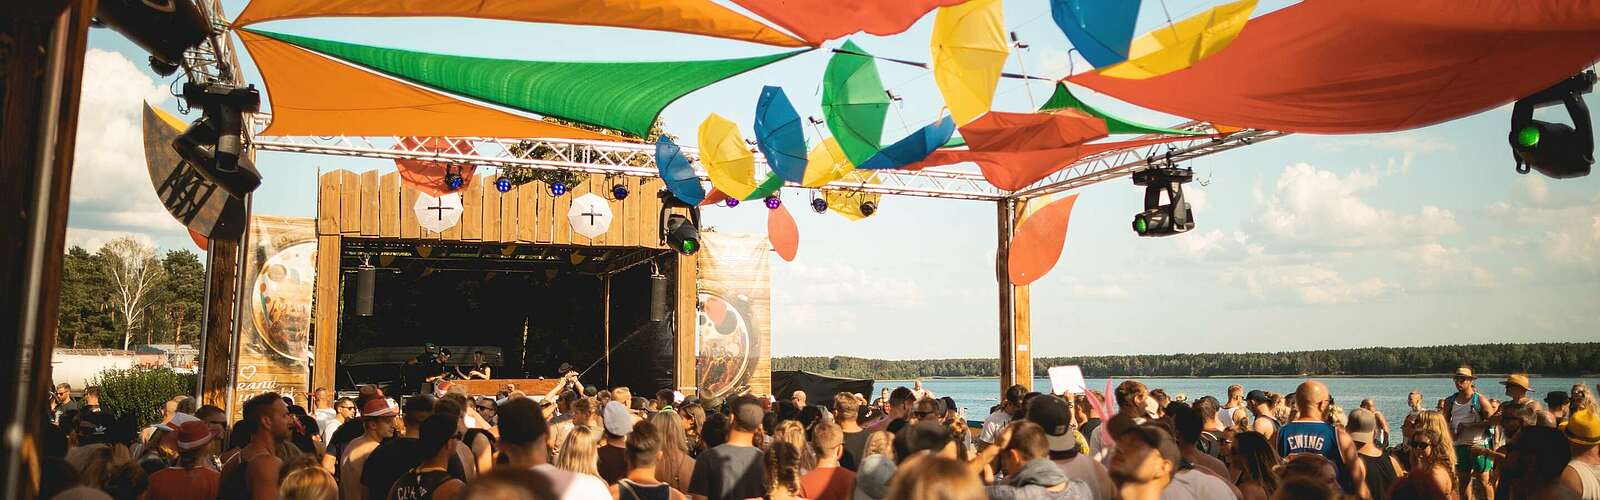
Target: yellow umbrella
[[728, 161], [1184, 43], [848, 203], [826, 163], [969, 49]]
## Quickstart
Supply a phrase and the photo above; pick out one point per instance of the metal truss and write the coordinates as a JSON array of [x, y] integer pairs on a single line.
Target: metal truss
[[213, 60], [1114, 164]]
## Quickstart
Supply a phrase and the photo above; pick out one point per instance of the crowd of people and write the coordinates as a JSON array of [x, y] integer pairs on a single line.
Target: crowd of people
[[1136, 443]]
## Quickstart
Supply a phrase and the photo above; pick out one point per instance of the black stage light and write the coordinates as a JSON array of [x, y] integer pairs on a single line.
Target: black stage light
[[619, 191], [819, 205], [682, 235], [1163, 220], [215, 142], [868, 208], [453, 179], [1557, 150], [164, 28], [366, 282]]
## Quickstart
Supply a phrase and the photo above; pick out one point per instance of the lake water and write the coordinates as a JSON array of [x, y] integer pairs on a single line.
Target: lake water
[[977, 395]]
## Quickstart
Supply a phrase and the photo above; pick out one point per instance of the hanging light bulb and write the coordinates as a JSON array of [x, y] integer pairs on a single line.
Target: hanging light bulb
[[558, 188], [773, 202], [732, 202], [819, 205], [502, 184]]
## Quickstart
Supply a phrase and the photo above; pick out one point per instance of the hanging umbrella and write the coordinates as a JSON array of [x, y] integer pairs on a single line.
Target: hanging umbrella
[[779, 135], [969, 50], [783, 233], [677, 172], [848, 203], [914, 147], [437, 213], [1101, 30], [1184, 43], [590, 215], [1040, 237], [853, 102], [826, 163], [728, 161]]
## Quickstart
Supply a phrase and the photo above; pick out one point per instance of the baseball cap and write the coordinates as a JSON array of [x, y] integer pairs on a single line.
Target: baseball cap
[[193, 434], [1052, 414], [923, 435], [618, 421], [1362, 424], [95, 427], [1258, 396], [1157, 439]]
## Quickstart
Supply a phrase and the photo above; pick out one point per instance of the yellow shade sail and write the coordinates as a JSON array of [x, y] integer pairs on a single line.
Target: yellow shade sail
[[1184, 43], [695, 17], [726, 157], [969, 51], [316, 96], [848, 203], [826, 163]]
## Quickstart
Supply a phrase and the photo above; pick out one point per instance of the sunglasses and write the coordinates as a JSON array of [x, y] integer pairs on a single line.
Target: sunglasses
[[351, 408], [1420, 445]]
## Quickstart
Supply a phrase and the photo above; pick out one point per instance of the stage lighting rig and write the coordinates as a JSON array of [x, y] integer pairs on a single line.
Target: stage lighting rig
[[819, 205], [773, 202], [868, 208], [1557, 150], [215, 142], [1163, 220], [502, 184], [619, 192], [453, 179], [678, 232], [731, 202], [558, 188], [164, 28]]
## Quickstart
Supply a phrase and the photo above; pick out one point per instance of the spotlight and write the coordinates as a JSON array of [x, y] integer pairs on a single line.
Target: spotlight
[[453, 180], [502, 184], [732, 202], [1557, 150], [868, 208], [214, 142], [164, 29], [682, 235], [773, 202], [819, 205], [1163, 220], [558, 188], [619, 191]]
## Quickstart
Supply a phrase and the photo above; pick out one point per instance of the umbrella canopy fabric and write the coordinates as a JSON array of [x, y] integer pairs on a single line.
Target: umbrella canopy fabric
[[1063, 99], [590, 215], [437, 213], [969, 51], [826, 163], [728, 161], [1014, 170], [625, 96], [1184, 43], [677, 172], [1040, 237], [779, 134], [1341, 67], [913, 147], [428, 176], [817, 21], [853, 102], [783, 233], [696, 17], [314, 95], [848, 203], [1001, 131], [1101, 30]]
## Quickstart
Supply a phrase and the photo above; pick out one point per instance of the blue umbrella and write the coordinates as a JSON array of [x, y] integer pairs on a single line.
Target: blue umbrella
[[1101, 30], [779, 134], [913, 148], [679, 174]]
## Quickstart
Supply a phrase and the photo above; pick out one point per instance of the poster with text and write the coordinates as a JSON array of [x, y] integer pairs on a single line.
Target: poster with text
[[280, 273], [733, 351]]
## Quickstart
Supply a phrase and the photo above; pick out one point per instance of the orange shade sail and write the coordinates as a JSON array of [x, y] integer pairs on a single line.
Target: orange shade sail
[[1014, 170], [313, 95], [1001, 131], [783, 233], [428, 176], [1040, 237], [1349, 66], [817, 21], [695, 17]]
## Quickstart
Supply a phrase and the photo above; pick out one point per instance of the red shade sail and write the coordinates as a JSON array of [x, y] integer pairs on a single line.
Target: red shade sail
[[1001, 131], [1039, 240], [816, 21], [1355, 66], [1014, 170]]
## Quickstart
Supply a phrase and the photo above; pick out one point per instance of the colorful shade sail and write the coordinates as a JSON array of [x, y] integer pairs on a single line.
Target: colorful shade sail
[[1014, 170], [429, 176], [853, 102], [624, 96], [1360, 67], [1101, 30], [1184, 43], [826, 163], [779, 134], [1040, 237], [848, 203], [696, 17], [1001, 131], [1063, 99], [913, 147], [817, 21], [783, 233], [969, 50], [313, 95], [677, 172]]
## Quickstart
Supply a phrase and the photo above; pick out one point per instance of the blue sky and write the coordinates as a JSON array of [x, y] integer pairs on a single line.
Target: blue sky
[[1418, 237]]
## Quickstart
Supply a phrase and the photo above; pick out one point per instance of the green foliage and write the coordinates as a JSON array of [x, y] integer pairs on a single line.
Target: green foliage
[[140, 391], [1542, 359], [88, 317]]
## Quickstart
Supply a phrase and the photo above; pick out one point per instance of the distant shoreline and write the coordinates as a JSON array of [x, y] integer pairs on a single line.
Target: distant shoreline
[[1481, 376]]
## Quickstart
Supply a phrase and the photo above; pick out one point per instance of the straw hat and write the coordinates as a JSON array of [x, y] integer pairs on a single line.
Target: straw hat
[[1583, 428], [1466, 373], [1519, 380]]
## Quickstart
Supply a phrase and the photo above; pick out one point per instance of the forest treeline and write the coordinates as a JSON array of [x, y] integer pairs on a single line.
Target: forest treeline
[[1543, 359]]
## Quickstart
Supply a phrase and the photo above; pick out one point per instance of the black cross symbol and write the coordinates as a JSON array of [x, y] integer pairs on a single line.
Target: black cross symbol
[[439, 207], [591, 215]]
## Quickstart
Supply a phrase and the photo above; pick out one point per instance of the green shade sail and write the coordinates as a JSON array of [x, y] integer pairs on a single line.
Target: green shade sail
[[854, 103], [1063, 99], [625, 96]]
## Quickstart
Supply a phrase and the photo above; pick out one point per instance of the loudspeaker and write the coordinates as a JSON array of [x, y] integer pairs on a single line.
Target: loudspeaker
[[366, 281], [658, 298]]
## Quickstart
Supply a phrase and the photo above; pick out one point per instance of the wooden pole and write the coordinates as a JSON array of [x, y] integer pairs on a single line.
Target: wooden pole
[[216, 331], [1002, 268], [325, 310], [605, 322], [1021, 317], [685, 270]]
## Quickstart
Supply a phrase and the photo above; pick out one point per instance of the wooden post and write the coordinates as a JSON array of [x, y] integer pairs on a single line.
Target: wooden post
[[605, 323], [685, 271], [325, 310], [1021, 316], [216, 335], [1002, 269]]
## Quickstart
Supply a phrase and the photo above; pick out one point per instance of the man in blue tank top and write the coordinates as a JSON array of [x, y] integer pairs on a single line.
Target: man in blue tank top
[[1310, 433]]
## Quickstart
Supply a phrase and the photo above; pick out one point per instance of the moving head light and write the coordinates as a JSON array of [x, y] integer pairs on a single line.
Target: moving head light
[[1163, 220], [1557, 150], [214, 143]]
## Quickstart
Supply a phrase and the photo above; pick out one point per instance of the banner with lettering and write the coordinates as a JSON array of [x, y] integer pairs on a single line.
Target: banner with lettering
[[280, 273], [733, 326], [197, 203]]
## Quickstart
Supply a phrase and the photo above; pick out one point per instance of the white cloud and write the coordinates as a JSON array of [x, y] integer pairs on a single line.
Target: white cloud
[[1442, 266], [1410, 142], [1576, 245], [1316, 208], [1215, 244], [1309, 284], [93, 239], [837, 284]]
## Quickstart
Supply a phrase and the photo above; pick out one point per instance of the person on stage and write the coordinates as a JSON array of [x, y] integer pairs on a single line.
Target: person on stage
[[480, 369]]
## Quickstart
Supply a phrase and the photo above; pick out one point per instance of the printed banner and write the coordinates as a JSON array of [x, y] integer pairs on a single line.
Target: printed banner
[[733, 326], [280, 273]]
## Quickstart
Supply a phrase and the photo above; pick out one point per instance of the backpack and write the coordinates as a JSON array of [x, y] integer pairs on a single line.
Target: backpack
[[1210, 444]]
